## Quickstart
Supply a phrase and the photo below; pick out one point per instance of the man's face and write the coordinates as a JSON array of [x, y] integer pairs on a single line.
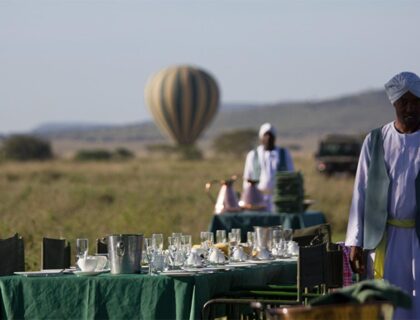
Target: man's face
[[408, 111], [268, 141]]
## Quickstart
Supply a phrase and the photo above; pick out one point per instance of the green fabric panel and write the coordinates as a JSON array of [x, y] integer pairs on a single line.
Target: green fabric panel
[[376, 201]]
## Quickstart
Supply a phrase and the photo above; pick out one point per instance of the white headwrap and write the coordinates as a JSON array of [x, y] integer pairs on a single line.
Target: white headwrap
[[266, 127], [401, 84]]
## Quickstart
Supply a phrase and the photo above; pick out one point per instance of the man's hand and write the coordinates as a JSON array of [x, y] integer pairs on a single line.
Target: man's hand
[[357, 260]]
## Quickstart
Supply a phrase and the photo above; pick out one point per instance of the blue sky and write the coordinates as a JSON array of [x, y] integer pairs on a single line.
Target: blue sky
[[88, 61]]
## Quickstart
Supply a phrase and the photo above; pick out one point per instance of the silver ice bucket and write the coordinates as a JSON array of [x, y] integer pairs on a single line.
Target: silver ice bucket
[[125, 253]]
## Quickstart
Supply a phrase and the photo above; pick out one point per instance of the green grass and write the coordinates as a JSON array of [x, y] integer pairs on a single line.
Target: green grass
[[71, 199]]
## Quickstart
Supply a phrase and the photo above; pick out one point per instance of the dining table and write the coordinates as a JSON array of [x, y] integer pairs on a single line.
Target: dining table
[[133, 296]]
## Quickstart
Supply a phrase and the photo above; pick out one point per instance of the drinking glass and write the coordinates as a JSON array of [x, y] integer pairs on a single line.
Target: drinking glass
[[82, 246], [177, 234], [158, 241], [287, 236], [220, 236], [149, 252], [237, 231], [277, 246], [207, 239], [186, 244], [250, 239]]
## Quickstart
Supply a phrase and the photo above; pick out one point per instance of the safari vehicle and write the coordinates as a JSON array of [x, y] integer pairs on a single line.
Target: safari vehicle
[[338, 153]]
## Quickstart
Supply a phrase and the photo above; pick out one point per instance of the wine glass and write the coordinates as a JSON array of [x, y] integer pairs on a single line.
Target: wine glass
[[220, 236], [157, 241], [82, 247]]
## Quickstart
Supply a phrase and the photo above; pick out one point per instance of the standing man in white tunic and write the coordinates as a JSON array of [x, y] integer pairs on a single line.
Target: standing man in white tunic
[[385, 211], [263, 162]]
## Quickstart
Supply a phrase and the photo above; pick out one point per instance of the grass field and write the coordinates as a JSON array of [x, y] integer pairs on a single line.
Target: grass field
[[152, 194]]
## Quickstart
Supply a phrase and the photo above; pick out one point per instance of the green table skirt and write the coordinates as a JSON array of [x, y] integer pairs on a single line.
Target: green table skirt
[[129, 296]]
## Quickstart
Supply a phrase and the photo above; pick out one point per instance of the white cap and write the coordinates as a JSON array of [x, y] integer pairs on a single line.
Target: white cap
[[401, 84], [266, 127]]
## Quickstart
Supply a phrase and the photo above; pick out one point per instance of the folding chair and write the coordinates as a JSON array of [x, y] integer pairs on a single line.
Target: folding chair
[[312, 235], [311, 282], [55, 254], [12, 251], [101, 246]]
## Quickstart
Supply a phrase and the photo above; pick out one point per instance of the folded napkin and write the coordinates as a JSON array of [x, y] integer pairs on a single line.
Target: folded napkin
[[366, 291]]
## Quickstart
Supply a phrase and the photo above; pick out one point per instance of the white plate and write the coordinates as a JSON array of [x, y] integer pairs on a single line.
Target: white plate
[[260, 261], [239, 264], [181, 273], [42, 273], [217, 268], [89, 273]]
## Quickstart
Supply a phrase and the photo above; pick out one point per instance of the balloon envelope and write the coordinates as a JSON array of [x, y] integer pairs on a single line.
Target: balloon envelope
[[183, 100]]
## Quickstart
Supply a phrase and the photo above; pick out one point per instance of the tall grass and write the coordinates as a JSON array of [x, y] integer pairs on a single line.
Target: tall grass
[[71, 199]]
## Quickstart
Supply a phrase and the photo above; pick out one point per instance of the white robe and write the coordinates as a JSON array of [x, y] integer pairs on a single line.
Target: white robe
[[268, 161], [402, 260]]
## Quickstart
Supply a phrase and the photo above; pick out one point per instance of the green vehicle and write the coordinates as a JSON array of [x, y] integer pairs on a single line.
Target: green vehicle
[[338, 153]]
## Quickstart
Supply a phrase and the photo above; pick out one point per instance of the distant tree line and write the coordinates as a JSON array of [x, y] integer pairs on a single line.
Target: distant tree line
[[25, 148]]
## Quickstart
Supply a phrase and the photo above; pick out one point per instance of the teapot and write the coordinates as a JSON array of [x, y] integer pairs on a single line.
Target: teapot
[[252, 198], [227, 201]]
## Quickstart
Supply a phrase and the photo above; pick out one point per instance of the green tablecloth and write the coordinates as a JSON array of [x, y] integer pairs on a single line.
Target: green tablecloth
[[129, 296], [246, 220]]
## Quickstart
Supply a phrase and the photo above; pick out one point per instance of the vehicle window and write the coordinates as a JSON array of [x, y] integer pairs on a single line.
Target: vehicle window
[[342, 149]]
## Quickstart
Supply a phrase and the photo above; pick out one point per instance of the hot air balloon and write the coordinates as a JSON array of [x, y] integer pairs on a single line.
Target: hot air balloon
[[183, 100]]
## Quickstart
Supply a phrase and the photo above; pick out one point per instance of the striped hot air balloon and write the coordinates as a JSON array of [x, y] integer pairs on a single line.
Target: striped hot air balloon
[[183, 101]]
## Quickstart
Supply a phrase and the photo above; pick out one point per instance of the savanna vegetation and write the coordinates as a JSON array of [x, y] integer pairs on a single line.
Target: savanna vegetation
[[72, 199]]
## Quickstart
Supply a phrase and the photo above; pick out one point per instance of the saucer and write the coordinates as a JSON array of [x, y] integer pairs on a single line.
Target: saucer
[[90, 273]]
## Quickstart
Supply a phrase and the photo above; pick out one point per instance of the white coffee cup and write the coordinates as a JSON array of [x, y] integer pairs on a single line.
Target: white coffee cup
[[87, 263]]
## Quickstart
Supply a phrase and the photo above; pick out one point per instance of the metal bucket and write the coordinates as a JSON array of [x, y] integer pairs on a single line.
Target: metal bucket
[[125, 253]]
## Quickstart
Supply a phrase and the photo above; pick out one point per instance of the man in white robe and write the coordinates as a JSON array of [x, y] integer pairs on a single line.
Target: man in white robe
[[401, 154], [263, 162]]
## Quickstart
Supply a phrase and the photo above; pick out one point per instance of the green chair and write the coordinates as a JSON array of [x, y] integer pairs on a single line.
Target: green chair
[[13, 255], [55, 254], [312, 279]]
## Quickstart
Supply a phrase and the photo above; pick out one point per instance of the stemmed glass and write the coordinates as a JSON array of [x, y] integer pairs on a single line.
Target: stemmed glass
[[175, 252], [221, 236], [149, 253], [278, 243], [186, 242], [287, 236], [157, 242], [82, 247]]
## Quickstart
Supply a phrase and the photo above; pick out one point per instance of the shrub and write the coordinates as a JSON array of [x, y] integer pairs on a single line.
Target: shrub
[[26, 147], [235, 142], [93, 155], [123, 154]]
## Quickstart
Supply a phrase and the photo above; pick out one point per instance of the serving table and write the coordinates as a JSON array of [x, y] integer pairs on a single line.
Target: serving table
[[136, 296], [246, 220]]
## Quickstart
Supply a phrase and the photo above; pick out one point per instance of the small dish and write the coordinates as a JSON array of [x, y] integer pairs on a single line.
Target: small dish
[[89, 273], [41, 273]]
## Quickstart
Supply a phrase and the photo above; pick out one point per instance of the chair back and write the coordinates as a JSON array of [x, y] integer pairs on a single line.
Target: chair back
[[12, 255], [334, 266], [311, 266], [101, 246], [55, 254], [312, 235]]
